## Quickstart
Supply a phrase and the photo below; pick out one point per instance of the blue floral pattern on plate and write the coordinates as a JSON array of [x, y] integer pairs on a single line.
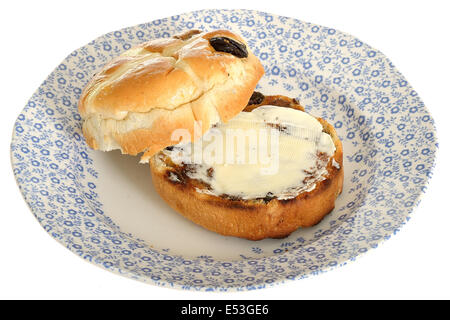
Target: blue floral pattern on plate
[[388, 134]]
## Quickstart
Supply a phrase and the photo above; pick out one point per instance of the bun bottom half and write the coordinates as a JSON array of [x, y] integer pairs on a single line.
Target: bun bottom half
[[253, 219]]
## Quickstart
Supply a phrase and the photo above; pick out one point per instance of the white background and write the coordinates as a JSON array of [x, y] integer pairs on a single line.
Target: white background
[[37, 35]]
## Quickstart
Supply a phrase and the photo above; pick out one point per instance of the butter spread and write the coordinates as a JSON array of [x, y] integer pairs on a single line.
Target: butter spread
[[271, 152]]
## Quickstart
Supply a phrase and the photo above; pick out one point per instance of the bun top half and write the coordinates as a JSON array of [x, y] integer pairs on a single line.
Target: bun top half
[[140, 98]]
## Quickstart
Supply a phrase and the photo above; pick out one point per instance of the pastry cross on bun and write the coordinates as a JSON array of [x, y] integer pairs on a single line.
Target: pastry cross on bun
[[141, 97], [235, 200]]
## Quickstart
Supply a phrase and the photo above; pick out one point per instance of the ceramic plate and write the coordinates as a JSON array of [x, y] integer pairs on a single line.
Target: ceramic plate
[[102, 206]]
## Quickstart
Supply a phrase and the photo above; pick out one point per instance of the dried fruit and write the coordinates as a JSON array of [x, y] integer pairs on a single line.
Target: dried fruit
[[224, 44], [256, 98]]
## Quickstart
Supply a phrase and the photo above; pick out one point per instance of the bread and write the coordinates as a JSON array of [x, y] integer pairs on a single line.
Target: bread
[[141, 97], [254, 218]]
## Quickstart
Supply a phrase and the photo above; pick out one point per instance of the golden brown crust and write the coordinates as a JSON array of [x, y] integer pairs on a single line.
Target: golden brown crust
[[176, 81], [254, 219]]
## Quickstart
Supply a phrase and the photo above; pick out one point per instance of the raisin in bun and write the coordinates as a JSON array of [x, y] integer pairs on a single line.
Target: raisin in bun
[[194, 190], [139, 98]]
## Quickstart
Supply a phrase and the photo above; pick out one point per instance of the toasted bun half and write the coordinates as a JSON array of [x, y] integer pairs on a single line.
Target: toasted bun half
[[141, 97], [253, 219]]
